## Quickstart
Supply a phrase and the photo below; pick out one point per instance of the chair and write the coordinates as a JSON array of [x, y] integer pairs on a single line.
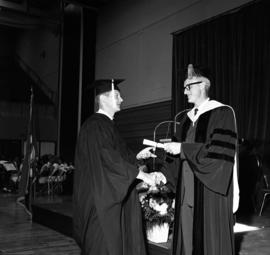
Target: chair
[[56, 179], [250, 182], [265, 191], [262, 188], [43, 178], [8, 176]]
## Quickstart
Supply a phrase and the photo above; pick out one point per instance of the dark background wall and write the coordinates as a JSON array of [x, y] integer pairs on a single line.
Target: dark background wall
[[70, 81], [77, 73]]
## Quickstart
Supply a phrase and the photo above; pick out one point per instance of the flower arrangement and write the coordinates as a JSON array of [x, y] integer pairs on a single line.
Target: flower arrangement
[[158, 211]]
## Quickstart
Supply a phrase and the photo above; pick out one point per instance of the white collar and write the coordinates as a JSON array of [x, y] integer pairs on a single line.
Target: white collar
[[201, 106], [105, 113], [206, 106]]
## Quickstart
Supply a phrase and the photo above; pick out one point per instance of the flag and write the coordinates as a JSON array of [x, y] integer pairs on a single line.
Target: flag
[[29, 163]]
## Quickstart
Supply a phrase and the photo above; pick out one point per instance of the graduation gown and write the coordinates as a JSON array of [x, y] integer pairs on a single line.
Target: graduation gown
[[211, 158], [107, 214]]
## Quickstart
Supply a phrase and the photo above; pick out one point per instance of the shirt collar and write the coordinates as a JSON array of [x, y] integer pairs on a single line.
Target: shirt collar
[[201, 106], [105, 113], [206, 106]]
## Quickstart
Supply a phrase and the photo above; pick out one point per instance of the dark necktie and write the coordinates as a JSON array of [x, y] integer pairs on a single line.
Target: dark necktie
[[195, 111]]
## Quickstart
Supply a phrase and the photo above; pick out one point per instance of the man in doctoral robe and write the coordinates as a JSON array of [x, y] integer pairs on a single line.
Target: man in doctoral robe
[[202, 166], [107, 214]]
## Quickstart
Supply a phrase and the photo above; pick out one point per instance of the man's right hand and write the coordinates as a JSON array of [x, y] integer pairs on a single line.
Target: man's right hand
[[146, 153]]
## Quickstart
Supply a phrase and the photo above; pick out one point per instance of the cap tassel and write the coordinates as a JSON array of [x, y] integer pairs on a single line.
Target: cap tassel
[[191, 72], [113, 85]]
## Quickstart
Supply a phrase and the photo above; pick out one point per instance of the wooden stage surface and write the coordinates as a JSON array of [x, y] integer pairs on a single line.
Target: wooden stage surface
[[49, 234], [254, 242], [20, 236], [56, 212]]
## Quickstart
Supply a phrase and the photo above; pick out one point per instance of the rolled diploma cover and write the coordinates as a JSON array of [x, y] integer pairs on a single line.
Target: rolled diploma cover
[[153, 144]]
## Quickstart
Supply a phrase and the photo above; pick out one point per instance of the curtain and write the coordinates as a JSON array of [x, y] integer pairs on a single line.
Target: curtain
[[236, 48]]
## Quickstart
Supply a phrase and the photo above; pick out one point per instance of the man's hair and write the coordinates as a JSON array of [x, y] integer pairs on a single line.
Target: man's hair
[[97, 99], [206, 82], [200, 73]]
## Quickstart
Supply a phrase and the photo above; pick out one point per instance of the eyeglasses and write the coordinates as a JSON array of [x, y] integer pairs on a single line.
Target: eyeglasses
[[187, 87]]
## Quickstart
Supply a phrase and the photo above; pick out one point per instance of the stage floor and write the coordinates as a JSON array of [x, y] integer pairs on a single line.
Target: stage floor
[[56, 212], [58, 204], [20, 236], [59, 209]]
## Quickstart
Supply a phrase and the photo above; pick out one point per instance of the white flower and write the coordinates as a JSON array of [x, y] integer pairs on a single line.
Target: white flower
[[142, 197], [162, 209], [153, 189], [173, 203], [152, 203]]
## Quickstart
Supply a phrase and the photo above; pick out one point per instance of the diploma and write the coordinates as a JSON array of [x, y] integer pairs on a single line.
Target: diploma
[[153, 144]]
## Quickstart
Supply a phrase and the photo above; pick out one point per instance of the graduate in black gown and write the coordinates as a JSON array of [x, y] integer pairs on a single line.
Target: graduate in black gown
[[202, 166], [107, 214]]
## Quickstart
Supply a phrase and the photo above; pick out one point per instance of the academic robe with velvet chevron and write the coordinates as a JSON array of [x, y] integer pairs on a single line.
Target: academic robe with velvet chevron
[[211, 159], [107, 215]]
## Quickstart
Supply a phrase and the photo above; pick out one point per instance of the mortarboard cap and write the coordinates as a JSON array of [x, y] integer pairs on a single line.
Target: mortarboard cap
[[197, 71], [105, 85]]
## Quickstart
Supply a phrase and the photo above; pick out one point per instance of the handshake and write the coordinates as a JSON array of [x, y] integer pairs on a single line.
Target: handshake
[[171, 148], [152, 179], [155, 178]]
